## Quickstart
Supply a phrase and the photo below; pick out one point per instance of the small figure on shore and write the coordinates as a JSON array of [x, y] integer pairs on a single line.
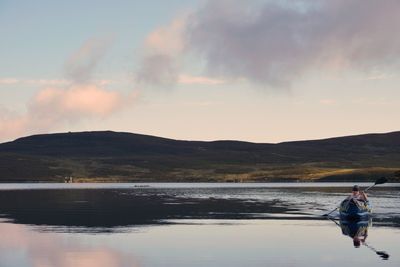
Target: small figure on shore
[[68, 179], [357, 195]]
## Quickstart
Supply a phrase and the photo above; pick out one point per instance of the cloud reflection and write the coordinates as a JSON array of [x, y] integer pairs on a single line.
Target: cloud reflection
[[49, 249]]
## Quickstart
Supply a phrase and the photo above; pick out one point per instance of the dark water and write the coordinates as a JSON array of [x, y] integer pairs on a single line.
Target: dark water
[[192, 225]]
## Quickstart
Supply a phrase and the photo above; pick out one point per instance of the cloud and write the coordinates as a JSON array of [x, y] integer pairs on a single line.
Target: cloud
[[53, 107], [189, 79], [377, 76], [78, 100], [60, 102], [8, 81], [276, 42], [35, 82], [166, 40], [81, 64], [48, 82], [159, 70], [11, 124], [327, 102], [161, 55]]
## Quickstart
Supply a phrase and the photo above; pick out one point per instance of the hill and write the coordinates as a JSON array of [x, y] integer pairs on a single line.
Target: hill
[[116, 156]]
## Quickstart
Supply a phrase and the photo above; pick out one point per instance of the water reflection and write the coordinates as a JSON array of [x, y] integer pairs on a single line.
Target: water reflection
[[192, 243], [190, 227], [357, 230], [104, 210], [108, 210], [25, 247]]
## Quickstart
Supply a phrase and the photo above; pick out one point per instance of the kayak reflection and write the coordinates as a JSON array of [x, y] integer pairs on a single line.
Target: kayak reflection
[[357, 230]]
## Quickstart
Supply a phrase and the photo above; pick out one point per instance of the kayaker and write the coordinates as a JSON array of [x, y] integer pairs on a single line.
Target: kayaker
[[356, 194]]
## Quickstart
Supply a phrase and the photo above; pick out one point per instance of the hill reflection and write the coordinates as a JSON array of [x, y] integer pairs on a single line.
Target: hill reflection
[[110, 210]]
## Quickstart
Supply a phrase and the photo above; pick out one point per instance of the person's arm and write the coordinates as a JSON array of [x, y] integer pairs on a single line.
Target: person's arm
[[364, 196]]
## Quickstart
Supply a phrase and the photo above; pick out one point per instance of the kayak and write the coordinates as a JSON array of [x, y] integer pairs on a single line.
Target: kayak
[[353, 209]]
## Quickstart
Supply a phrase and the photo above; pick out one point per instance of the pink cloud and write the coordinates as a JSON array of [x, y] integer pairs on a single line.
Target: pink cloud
[[53, 107], [166, 40], [11, 124], [67, 101], [78, 100]]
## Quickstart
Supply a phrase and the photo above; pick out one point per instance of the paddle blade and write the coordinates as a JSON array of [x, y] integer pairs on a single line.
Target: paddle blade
[[383, 255], [381, 180]]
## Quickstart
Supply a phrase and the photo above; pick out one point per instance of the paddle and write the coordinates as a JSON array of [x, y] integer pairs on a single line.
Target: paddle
[[381, 180], [381, 254], [327, 214]]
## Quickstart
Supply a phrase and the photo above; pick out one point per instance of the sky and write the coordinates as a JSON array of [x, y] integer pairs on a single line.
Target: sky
[[260, 71]]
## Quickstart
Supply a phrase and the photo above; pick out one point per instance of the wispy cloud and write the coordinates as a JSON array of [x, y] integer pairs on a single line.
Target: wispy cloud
[[8, 81], [327, 102], [379, 76], [189, 79], [34, 82], [50, 82], [81, 64], [201, 104], [46, 82], [160, 62], [376, 102]]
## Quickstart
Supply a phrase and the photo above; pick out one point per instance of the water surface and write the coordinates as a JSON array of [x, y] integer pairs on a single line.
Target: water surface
[[190, 225]]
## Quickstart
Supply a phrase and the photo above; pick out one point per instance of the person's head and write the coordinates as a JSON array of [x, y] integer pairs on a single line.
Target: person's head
[[355, 190], [356, 242]]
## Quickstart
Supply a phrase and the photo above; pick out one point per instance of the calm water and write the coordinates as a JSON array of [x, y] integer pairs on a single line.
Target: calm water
[[192, 225]]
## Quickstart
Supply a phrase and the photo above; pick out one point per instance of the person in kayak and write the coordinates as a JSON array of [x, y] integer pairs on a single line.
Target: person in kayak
[[357, 195]]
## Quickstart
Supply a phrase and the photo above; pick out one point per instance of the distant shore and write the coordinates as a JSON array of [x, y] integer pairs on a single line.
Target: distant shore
[[126, 157], [276, 180]]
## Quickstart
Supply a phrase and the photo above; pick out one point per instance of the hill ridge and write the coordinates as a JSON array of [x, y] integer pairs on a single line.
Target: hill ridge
[[219, 140], [123, 156]]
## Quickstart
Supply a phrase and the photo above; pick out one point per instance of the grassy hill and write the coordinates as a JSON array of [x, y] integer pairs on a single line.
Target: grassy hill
[[114, 156]]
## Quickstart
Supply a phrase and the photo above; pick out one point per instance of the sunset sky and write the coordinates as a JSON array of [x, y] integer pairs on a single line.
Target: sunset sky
[[262, 71]]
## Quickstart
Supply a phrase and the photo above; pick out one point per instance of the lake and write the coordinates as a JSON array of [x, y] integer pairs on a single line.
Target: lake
[[186, 224]]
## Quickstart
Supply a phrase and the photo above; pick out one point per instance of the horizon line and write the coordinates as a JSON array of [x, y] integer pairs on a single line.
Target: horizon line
[[191, 140]]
